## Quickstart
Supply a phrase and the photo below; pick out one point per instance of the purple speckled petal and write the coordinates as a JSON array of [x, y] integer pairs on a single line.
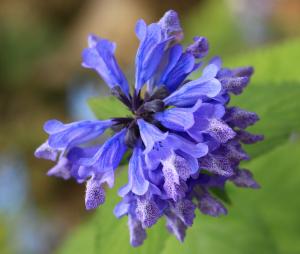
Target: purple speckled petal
[[136, 231], [211, 206], [216, 164], [240, 118], [248, 138], [199, 48], [94, 195], [185, 210], [170, 25], [147, 211], [244, 178], [175, 226]]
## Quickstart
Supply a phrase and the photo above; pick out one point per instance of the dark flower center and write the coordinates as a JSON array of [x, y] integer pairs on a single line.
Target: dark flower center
[[141, 108]]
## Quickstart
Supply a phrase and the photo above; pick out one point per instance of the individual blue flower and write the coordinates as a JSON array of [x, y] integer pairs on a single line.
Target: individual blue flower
[[181, 142], [100, 57]]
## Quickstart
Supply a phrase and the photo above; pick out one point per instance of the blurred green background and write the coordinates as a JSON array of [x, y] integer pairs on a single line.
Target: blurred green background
[[41, 78]]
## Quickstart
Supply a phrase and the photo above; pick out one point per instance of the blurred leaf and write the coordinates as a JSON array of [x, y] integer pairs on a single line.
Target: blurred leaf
[[214, 20], [108, 107], [21, 44], [273, 65], [5, 247], [222, 195], [278, 107]]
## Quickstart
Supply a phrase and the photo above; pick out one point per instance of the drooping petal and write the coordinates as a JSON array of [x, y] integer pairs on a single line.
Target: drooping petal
[[180, 165], [233, 151], [220, 130], [136, 231], [95, 194], [244, 178], [234, 85], [248, 138], [210, 206], [235, 80], [147, 211], [240, 118], [175, 226], [216, 164], [185, 210], [174, 187]]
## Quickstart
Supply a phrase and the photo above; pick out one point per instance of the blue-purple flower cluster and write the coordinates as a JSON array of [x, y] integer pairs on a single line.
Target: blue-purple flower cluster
[[182, 139]]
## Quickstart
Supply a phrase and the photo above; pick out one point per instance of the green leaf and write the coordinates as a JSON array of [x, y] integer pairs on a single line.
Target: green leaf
[[273, 65], [214, 20], [278, 107], [108, 107]]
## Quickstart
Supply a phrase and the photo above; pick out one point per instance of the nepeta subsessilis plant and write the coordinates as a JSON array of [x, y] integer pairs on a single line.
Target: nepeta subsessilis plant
[[183, 138]]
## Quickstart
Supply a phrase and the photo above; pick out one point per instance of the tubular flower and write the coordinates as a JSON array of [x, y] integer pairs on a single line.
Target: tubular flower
[[182, 138]]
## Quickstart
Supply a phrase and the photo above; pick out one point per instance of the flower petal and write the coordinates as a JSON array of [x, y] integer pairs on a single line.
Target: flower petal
[[95, 194], [136, 231], [185, 210], [199, 48], [184, 66], [136, 179], [46, 152], [188, 94], [170, 25], [147, 211], [78, 133], [179, 119], [100, 57], [62, 169], [244, 178], [211, 206], [109, 155], [150, 134], [175, 226]]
